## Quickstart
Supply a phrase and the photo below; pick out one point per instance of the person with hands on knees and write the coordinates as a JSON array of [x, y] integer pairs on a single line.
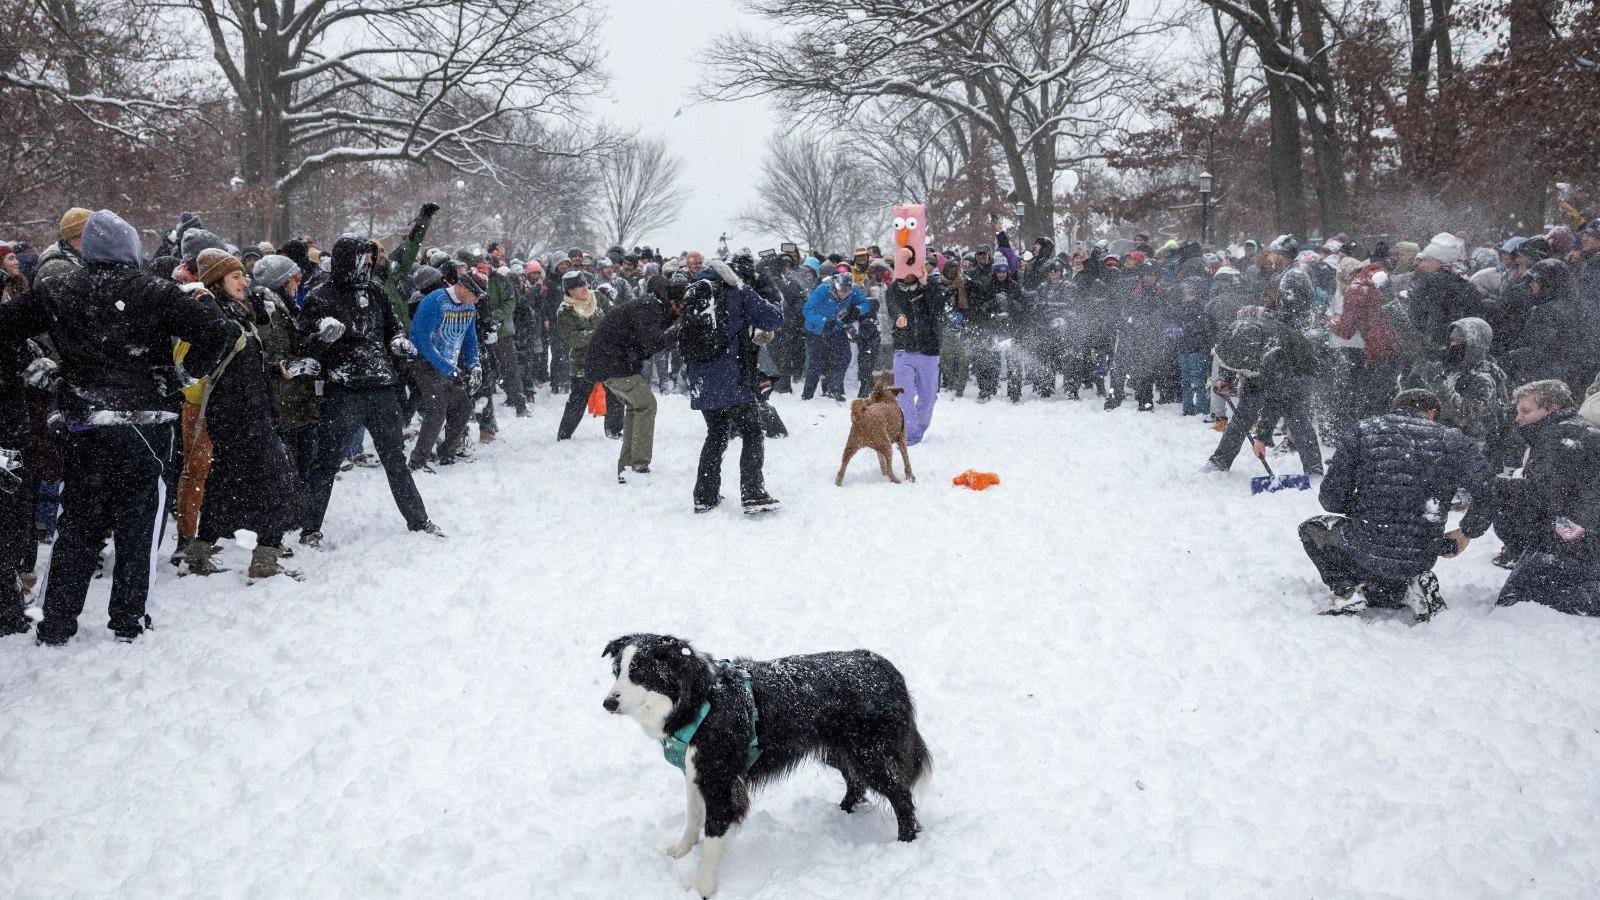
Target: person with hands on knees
[[1550, 517], [445, 333], [1389, 488], [349, 328]]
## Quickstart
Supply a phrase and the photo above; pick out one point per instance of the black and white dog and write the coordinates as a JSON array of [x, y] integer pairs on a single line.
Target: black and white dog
[[758, 720]]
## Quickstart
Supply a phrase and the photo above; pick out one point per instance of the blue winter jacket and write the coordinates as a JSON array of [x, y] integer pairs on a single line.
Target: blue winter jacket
[[823, 307], [721, 383], [445, 332]]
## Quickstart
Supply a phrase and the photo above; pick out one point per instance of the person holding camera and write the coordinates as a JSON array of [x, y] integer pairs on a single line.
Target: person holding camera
[[1389, 489], [725, 324]]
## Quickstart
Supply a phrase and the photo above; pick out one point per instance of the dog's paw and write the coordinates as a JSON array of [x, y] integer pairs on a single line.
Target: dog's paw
[[680, 849], [706, 885]]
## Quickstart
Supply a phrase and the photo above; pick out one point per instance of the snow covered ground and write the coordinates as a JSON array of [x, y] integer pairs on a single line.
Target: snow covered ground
[[1115, 661]]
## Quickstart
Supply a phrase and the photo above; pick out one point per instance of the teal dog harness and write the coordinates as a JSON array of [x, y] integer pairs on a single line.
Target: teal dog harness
[[676, 745]]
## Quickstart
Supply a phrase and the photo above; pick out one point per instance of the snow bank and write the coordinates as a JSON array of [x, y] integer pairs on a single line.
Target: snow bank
[[1114, 659]]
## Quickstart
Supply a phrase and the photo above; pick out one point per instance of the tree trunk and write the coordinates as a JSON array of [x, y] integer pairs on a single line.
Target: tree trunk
[[1526, 197], [1288, 187]]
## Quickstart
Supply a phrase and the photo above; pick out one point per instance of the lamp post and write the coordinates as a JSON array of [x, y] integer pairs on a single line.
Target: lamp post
[[1203, 182], [234, 184]]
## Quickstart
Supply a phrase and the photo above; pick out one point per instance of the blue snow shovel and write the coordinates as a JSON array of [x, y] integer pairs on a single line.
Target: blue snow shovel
[[1270, 483]]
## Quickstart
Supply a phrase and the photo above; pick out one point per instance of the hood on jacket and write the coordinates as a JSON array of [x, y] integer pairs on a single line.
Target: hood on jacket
[[1475, 334], [1047, 247], [108, 239], [297, 251], [1555, 280], [348, 268]]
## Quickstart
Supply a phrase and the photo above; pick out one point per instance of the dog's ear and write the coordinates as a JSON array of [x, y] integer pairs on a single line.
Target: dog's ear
[[615, 647], [694, 677]]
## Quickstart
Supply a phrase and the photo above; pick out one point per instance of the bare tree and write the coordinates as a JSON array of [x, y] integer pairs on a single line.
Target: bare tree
[[822, 196], [323, 83], [1049, 80], [641, 189]]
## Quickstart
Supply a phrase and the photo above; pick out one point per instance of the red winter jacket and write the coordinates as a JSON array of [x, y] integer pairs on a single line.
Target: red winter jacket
[[1363, 311]]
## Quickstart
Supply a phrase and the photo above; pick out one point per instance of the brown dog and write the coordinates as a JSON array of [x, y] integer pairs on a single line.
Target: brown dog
[[876, 422]]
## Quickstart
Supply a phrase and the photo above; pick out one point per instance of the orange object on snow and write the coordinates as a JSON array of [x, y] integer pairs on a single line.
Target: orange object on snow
[[597, 400], [975, 480]]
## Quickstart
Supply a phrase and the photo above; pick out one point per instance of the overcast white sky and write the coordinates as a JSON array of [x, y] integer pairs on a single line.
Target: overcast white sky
[[653, 48]]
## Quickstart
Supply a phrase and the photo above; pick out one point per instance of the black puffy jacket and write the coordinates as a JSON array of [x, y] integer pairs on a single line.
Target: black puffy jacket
[[1562, 480], [113, 327], [1395, 476], [923, 306], [360, 357]]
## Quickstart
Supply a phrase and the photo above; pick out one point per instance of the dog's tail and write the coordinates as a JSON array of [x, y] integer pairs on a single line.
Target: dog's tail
[[916, 763], [857, 407]]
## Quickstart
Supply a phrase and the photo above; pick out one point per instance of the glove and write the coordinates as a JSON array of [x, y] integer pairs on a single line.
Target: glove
[[763, 338], [725, 272], [428, 209], [850, 314], [475, 379], [42, 374], [330, 330], [303, 368], [402, 347]]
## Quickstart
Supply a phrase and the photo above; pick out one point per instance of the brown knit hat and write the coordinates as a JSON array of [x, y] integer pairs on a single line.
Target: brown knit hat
[[72, 222], [214, 265]]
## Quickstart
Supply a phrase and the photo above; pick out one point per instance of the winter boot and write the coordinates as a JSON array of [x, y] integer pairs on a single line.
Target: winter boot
[[1423, 597], [1350, 601], [485, 435], [264, 563], [198, 557], [1112, 402]]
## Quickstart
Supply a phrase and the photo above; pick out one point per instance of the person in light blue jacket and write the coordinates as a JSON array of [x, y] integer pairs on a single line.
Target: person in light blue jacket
[[833, 306], [446, 335]]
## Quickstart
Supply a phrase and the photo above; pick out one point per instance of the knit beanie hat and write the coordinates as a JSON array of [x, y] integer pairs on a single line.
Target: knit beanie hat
[[1444, 247], [214, 265], [72, 223], [274, 271]]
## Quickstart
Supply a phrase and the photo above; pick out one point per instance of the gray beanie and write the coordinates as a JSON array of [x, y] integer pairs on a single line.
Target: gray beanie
[[274, 271], [198, 239]]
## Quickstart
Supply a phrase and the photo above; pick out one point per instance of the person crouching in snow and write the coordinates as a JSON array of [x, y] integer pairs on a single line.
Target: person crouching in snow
[[1389, 488], [917, 310], [1550, 517], [724, 325], [625, 339], [445, 333]]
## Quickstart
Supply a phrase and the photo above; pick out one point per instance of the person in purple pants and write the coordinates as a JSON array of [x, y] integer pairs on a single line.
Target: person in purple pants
[[916, 309]]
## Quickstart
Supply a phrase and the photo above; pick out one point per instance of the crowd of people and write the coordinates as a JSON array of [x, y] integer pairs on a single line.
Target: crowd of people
[[227, 387]]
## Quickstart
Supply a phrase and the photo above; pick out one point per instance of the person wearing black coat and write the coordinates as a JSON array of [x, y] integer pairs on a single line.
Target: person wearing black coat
[[1139, 340], [348, 326], [916, 313], [1389, 489], [17, 486], [1436, 299], [252, 484], [630, 334], [1550, 517], [1274, 386], [113, 327], [1558, 339]]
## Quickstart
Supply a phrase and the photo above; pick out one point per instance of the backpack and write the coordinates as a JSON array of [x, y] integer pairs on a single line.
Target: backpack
[[1245, 345], [705, 334]]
